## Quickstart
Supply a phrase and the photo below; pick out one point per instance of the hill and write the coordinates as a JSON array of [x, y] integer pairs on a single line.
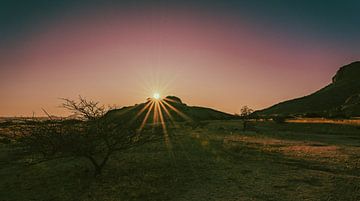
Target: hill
[[172, 109], [340, 98]]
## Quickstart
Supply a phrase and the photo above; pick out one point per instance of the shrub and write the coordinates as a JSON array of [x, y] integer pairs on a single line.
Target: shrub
[[93, 138]]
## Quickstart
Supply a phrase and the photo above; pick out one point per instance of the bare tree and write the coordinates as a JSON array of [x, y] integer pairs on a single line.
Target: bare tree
[[93, 137], [84, 109]]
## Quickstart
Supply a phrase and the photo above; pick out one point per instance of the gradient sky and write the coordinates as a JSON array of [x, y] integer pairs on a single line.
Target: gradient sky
[[219, 54]]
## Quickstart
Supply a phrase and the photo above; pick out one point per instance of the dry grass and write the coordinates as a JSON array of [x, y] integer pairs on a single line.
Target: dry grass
[[217, 162], [307, 150], [355, 121]]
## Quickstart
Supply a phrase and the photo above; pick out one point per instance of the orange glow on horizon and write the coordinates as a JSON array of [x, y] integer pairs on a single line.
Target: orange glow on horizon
[[208, 60]]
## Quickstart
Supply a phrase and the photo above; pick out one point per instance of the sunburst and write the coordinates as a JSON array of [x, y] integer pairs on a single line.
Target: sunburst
[[161, 109], [156, 96]]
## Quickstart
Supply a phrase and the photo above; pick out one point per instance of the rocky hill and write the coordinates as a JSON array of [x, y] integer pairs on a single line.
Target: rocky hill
[[171, 109], [340, 98]]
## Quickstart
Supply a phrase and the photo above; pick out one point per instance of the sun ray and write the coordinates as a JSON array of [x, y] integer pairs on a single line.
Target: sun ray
[[170, 100], [147, 116], [177, 111], [141, 111], [155, 118], [160, 108], [167, 113], [161, 116], [163, 124]]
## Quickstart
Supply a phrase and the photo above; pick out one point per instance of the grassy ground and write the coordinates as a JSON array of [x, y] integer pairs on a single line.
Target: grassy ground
[[219, 161]]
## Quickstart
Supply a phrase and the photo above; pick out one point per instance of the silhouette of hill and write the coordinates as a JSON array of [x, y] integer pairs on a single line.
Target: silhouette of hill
[[178, 111], [340, 98]]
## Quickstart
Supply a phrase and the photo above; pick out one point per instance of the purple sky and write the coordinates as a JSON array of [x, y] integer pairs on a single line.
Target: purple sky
[[209, 55]]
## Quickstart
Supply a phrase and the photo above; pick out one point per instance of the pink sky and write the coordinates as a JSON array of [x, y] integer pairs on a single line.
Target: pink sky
[[206, 60]]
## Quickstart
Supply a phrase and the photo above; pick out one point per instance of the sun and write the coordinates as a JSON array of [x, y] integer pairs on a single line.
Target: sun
[[161, 111], [156, 96]]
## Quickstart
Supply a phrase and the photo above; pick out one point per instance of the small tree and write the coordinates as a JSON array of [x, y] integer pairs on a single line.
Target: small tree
[[245, 112], [93, 138]]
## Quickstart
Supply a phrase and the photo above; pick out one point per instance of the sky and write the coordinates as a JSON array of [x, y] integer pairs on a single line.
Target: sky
[[218, 54]]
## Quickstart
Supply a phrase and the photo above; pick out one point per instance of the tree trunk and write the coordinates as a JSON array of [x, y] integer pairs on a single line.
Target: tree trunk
[[244, 125]]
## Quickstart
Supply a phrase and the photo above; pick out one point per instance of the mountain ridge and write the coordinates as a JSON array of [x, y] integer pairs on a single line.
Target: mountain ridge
[[338, 98], [182, 111]]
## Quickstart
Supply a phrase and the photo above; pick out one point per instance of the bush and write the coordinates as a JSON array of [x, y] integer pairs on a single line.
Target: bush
[[94, 138]]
